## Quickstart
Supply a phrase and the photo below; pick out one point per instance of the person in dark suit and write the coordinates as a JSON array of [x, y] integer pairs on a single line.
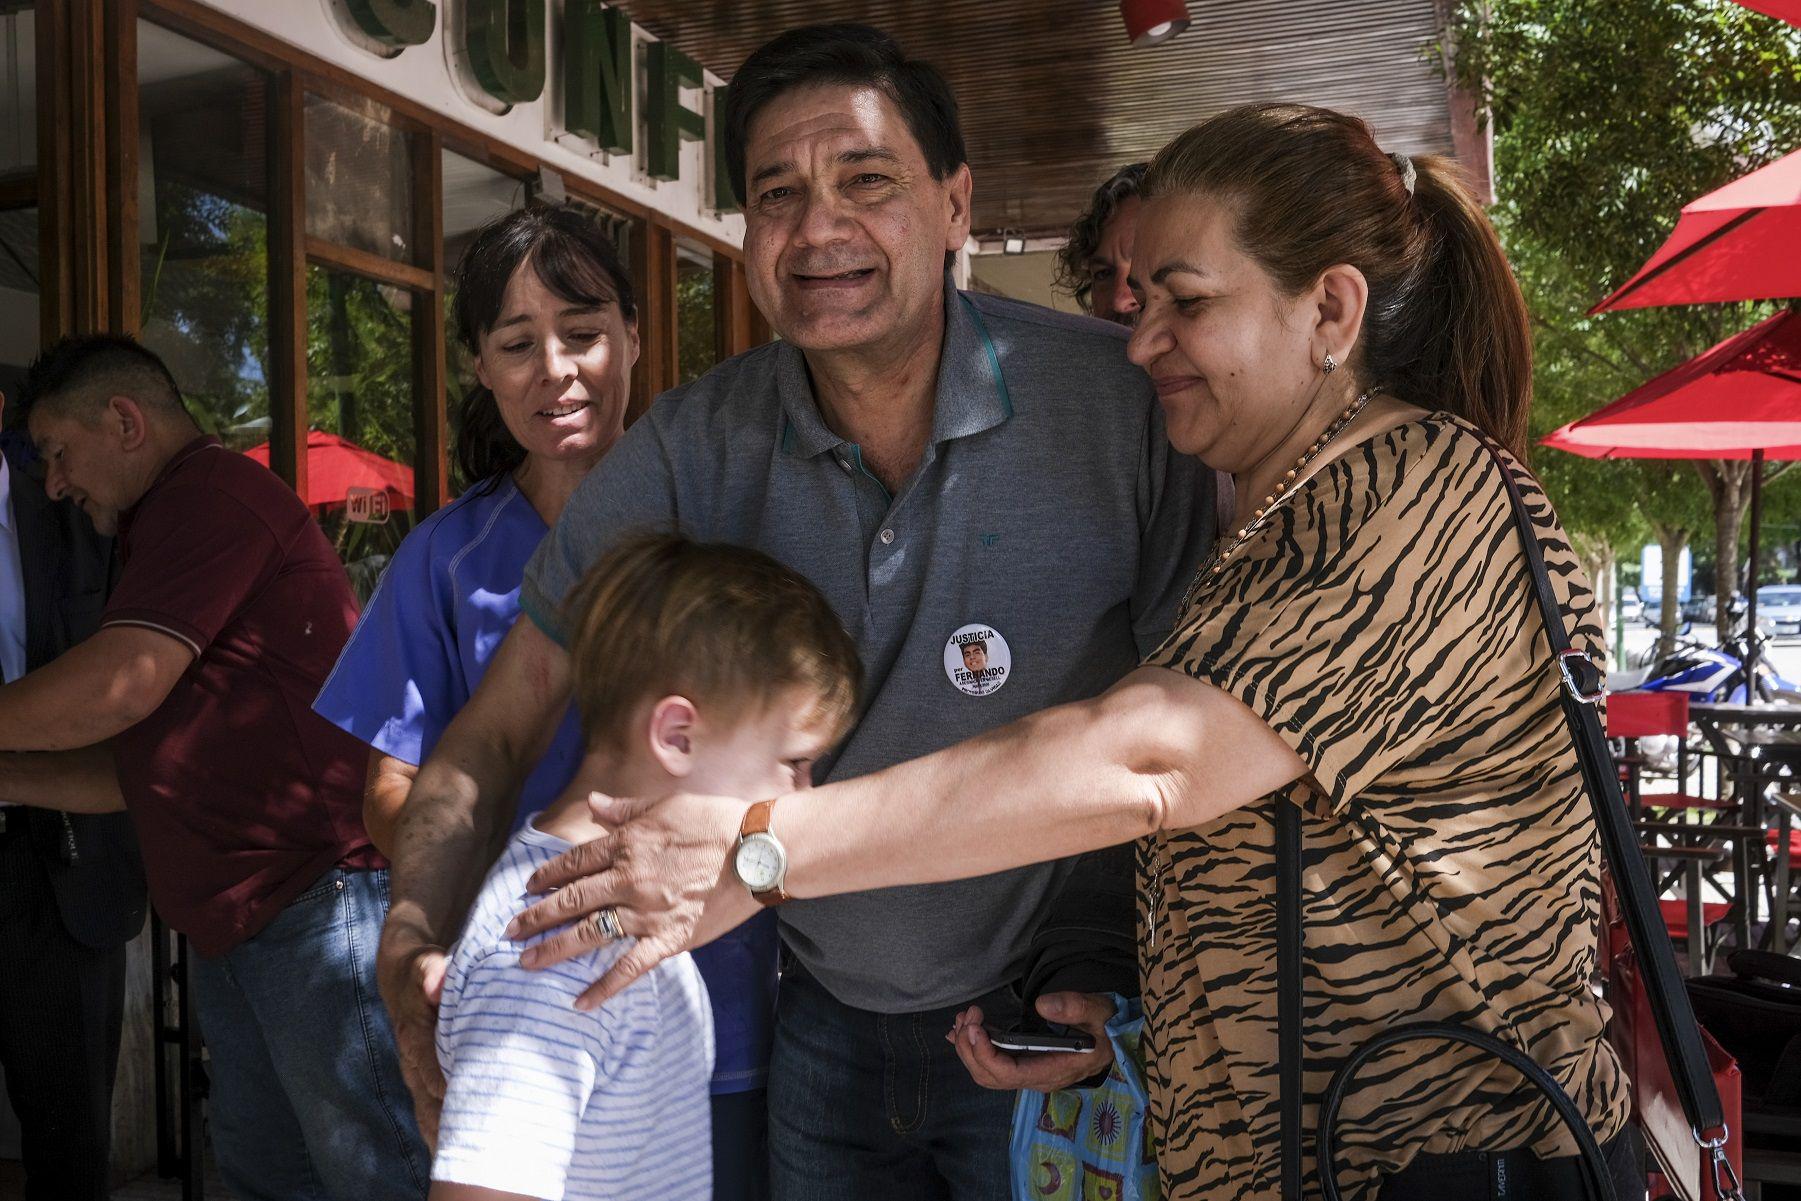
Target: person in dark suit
[[71, 884]]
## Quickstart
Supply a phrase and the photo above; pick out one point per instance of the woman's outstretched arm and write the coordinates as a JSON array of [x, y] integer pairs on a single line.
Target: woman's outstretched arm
[[1157, 751]]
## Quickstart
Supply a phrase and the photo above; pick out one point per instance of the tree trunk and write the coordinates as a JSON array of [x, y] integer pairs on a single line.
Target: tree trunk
[[1598, 563], [1607, 599], [1729, 483], [1674, 541]]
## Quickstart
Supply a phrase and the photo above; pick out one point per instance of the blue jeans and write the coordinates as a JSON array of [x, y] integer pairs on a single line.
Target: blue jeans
[[870, 1107], [307, 1101]]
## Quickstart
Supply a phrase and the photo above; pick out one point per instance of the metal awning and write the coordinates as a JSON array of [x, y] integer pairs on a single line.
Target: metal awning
[[1054, 97]]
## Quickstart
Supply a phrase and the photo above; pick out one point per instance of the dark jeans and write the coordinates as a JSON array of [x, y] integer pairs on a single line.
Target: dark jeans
[[61, 1004], [741, 1146], [307, 1101], [870, 1107]]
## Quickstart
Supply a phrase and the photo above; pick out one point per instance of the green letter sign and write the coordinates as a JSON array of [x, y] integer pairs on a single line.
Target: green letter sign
[[724, 199], [597, 74], [506, 47], [668, 123], [398, 23]]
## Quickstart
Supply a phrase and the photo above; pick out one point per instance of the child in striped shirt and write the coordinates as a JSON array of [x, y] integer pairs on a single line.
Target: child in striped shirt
[[709, 668]]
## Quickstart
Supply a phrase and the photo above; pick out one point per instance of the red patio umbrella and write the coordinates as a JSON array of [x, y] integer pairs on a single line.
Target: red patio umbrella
[[1787, 10], [334, 466], [1742, 242], [1739, 400]]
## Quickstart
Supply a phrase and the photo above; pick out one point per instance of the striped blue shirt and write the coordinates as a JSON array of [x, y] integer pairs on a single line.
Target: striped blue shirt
[[553, 1102]]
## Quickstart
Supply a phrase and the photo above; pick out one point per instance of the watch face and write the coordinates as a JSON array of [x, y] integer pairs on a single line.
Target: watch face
[[760, 862]]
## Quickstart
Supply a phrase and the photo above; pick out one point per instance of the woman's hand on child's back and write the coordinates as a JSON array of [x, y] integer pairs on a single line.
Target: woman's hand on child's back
[[664, 870]]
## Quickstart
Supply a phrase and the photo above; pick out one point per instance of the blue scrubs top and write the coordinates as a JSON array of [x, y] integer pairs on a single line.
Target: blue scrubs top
[[444, 604]]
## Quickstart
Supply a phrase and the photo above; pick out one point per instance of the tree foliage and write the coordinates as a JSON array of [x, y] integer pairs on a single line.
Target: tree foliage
[[1608, 117]]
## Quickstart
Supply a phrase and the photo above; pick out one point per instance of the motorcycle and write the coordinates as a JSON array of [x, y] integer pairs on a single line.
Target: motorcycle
[[1713, 673], [1708, 673]]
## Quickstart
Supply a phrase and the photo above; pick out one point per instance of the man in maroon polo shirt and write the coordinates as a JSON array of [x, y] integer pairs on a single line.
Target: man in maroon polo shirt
[[230, 610]]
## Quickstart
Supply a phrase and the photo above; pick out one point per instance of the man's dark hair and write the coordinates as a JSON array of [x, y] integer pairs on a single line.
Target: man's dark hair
[[1073, 272], [844, 55], [78, 374]]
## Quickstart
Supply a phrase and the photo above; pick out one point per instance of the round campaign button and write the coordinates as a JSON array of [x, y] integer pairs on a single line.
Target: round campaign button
[[977, 660]]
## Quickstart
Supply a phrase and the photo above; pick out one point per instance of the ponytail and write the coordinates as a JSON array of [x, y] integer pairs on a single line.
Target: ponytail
[[1445, 326], [485, 448], [1465, 331]]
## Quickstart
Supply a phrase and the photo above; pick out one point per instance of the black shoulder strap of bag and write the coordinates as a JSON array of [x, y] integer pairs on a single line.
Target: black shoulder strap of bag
[[1669, 1002]]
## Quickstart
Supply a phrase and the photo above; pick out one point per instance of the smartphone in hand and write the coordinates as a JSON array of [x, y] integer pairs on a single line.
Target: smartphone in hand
[[1050, 1040]]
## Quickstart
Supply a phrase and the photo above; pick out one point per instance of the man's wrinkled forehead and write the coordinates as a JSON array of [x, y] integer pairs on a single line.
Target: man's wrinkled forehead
[[801, 125], [47, 420]]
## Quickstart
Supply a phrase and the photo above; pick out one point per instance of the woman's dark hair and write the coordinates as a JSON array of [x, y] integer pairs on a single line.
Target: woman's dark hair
[[1446, 326], [1074, 275], [571, 257], [845, 55]]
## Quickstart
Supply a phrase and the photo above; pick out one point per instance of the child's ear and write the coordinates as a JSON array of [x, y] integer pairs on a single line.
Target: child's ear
[[671, 734]]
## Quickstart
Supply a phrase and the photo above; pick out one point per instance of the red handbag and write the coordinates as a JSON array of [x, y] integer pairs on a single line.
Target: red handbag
[[1677, 1169]]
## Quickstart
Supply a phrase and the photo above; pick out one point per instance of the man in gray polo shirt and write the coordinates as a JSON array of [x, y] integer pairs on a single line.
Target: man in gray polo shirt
[[950, 470]]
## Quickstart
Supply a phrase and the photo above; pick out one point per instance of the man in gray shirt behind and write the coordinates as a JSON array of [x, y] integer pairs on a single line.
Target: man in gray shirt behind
[[951, 470]]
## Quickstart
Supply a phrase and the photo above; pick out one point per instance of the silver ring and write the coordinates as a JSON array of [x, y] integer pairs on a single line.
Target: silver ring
[[605, 923]]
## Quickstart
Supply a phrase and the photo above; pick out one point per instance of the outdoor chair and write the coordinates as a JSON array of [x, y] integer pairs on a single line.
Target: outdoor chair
[[1688, 837]]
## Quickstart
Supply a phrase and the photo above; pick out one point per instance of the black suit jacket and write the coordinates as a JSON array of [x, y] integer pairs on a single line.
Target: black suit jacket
[[92, 860]]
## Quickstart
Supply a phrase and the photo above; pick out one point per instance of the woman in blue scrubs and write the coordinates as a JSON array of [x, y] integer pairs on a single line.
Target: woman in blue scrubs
[[545, 308], [546, 311]]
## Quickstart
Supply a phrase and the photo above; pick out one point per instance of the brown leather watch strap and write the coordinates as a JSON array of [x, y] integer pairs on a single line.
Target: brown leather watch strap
[[756, 818]]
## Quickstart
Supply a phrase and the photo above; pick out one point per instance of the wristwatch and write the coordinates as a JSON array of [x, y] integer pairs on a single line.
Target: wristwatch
[[761, 861]]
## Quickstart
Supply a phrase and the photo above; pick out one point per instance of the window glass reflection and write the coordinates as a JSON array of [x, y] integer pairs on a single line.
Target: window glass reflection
[[360, 403], [359, 179], [697, 345], [203, 171]]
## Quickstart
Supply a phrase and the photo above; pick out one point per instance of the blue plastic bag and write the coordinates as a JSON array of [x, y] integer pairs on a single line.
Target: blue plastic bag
[[1090, 1144]]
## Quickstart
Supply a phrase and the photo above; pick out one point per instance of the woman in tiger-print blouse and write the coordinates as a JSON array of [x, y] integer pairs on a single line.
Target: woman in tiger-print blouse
[[1339, 329]]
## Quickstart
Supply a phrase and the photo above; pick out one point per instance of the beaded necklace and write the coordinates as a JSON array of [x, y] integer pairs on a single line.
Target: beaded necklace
[[1225, 550]]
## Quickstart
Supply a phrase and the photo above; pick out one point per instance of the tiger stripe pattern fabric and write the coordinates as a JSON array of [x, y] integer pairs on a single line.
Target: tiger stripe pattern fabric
[[1382, 623]]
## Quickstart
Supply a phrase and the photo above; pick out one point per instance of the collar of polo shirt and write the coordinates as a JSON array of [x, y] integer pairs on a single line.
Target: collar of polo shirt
[[971, 395]]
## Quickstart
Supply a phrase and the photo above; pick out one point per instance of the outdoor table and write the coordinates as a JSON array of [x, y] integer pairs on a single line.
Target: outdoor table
[[1749, 738]]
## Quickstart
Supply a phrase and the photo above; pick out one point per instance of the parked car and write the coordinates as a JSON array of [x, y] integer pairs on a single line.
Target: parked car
[[1699, 607], [1779, 611], [1632, 606]]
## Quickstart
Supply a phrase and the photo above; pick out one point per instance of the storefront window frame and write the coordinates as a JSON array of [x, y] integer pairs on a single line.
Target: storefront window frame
[[111, 301]]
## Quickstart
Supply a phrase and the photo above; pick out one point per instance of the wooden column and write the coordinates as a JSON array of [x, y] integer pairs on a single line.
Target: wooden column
[[287, 281], [431, 476], [653, 266], [72, 166], [121, 85]]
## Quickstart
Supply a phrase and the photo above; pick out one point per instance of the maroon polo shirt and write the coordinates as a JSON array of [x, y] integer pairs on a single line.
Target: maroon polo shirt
[[241, 794]]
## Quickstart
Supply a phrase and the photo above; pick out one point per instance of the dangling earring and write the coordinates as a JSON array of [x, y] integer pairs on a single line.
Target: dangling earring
[[1329, 364]]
